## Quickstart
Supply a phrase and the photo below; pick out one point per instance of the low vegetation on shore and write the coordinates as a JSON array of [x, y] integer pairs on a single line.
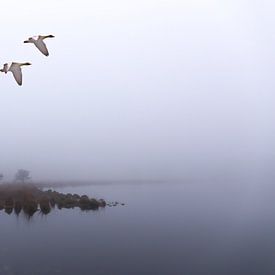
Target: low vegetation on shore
[[30, 199]]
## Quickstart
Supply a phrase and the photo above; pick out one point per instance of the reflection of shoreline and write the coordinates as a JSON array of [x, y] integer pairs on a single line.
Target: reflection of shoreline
[[30, 199]]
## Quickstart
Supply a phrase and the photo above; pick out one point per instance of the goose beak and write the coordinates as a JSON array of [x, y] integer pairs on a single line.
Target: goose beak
[[26, 41]]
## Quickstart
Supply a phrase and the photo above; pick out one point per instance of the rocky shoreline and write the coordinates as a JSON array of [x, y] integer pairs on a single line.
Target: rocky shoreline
[[30, 199]]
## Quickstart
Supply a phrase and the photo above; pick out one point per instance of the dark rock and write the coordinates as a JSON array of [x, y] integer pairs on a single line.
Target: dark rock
[[86, 204], [70, 202], [69, 196], [45, 205], [76, 197]]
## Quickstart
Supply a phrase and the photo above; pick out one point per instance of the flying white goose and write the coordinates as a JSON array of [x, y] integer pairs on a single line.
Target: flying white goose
[[15, 68], [39, 43]]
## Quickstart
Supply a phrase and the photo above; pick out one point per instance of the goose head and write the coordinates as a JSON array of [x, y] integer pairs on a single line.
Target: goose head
[[5, 68], [29, 40]]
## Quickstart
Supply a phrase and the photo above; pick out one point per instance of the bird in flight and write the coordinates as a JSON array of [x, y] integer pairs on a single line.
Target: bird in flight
[[39, 43], [15, 68]]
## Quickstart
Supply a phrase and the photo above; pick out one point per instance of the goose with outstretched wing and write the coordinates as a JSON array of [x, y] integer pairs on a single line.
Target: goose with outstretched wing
[[39, 43], [15, 69]]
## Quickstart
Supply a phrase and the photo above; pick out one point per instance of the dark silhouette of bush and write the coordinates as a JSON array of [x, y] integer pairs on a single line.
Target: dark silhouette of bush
[[30, 198], [30, 207], [45, 205]]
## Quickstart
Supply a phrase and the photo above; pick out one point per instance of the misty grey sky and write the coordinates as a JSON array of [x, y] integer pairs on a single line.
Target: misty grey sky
[[139, 89]]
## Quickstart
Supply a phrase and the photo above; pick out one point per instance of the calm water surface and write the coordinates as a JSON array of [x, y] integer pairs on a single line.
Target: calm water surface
[[166, 229]]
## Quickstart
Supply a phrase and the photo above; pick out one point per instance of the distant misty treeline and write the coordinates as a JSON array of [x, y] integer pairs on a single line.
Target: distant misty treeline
[[21, 175]]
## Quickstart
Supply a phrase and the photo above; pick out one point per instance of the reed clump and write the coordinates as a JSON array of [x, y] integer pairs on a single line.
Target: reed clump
[[30, 199]]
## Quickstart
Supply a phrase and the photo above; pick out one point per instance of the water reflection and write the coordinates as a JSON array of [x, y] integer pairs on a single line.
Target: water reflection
[[165, 229], [8, 210], [44, 207]]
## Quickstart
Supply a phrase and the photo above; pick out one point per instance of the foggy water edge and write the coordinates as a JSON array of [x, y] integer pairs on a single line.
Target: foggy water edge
[[172, 228]]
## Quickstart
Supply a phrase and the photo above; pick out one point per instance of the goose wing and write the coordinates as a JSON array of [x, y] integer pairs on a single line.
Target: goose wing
[[17, 72], [41, 46]]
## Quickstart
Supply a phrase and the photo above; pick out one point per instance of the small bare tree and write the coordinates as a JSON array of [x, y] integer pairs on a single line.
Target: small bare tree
[[22, 175], [1, 177]]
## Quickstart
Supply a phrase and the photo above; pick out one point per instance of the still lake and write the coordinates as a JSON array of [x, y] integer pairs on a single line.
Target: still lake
[[164, 228]]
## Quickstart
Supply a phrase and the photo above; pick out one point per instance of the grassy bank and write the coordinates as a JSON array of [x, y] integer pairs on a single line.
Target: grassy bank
[[30, 199]]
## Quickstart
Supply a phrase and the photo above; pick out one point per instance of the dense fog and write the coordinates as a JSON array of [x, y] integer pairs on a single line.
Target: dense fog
[[139, 90]]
